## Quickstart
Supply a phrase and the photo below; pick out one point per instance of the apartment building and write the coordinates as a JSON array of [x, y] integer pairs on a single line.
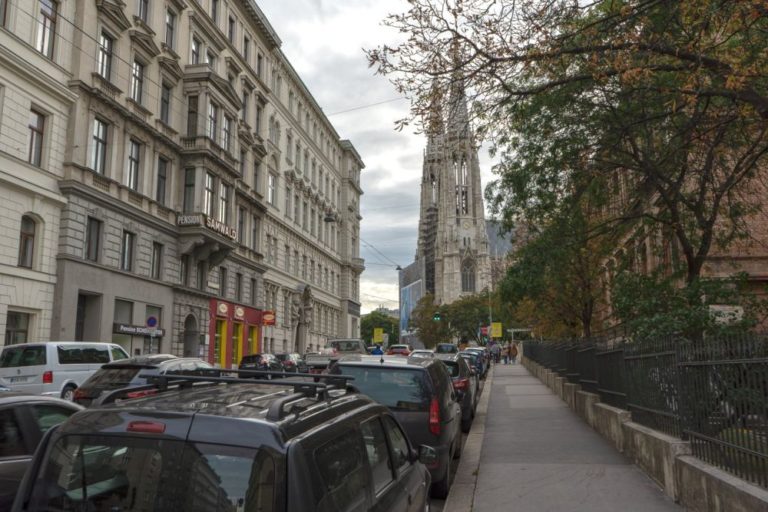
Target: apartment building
[[197, 172]]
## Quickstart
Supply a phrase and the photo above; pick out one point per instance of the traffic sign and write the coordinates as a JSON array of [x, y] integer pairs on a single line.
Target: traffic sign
[[152, 321]]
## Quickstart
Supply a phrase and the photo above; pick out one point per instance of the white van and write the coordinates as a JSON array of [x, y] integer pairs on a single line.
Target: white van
[[55, 368]]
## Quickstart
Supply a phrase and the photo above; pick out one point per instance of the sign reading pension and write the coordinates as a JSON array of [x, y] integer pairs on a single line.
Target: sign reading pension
[[137, 330], [200, 219]]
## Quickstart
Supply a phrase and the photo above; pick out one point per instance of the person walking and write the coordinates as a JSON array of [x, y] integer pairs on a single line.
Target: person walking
[[496, 353], [513, 352], [505, 354], [377, 351]]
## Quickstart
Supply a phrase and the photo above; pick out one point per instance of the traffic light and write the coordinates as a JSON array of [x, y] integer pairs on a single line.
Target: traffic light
[[436, 316]]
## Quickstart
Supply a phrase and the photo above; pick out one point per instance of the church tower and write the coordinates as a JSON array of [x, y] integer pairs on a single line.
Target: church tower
[[453, 244]]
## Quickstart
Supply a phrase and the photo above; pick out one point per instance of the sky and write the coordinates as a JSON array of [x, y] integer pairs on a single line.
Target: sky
[[324, 41]]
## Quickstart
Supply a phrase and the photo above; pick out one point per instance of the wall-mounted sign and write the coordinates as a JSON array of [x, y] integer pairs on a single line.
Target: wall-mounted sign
[[137, 330], [353, 308], [222, 308], [268, 318], [239, 312], [200, 219]]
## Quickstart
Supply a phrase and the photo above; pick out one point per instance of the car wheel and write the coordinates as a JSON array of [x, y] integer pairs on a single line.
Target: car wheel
[[68, 393]]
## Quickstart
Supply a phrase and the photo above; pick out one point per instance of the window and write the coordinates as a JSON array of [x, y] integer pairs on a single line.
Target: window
[[189, 190], [288, 197], [341, 462], [254, 233], [305, 219], [239, 287], [27, 241], [93, 239], [210, 59], [134, 162], [399, 444], [468, 276], [378, 453], [208, 194], [126, 251], [312, 218], [196, 45], [296, 208], [46, 29], [246, 48], [215, 10], [259, 114], [243, 158], [157, 260], [162, 179], [165, 103], [296, 262], [3, 11], [244, 109], [256, 175], [287, 258], [226, 134], [184, 269], [254, 291], [271, 189], [13, 440], [144, 10], [192, 104], [231, 30], [213, 117], [170, 28], [224, 202], [137, 81], [223, 281], [105, 56], [201, 275], [241, 225], [259, 65], [36, 129]]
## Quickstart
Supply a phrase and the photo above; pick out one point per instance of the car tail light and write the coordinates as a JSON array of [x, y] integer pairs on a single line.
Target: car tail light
[[434, 417], [289, 363], [48, 377], [146, 427], [141, 394], [461, 384]]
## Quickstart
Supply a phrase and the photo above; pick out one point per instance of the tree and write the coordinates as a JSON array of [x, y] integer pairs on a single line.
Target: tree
[[655, 111], [430, 331], [378, 319]]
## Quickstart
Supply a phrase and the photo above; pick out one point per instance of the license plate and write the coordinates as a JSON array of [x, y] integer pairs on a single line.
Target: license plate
[[18, 379]]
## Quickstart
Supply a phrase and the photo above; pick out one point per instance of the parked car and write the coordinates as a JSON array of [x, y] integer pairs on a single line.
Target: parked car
[[249, 445], [475, 361], [293, 362], [446, 348], [334, 349], [420, 394], [128, 372], [399, 350], [4, 385], [422, 352], [466, 384], [55, 368], [24, 419], [485, 354], [261, 362]]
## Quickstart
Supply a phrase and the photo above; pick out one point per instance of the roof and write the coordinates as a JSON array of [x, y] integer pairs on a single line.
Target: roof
[[13, 397], [144, 360], [385, 361]]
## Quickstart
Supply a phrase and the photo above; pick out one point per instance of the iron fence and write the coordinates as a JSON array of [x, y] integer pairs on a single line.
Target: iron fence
[[713, 392]]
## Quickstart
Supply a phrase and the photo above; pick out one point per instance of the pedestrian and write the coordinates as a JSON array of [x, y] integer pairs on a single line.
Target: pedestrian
[[505, 354], [496, 353], [377, 351], [513, 353]]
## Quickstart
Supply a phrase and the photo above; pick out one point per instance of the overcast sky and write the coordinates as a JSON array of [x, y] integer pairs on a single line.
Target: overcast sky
[[324, 39]]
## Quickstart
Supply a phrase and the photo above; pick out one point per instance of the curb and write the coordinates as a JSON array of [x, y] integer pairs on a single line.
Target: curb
[[461, 496]]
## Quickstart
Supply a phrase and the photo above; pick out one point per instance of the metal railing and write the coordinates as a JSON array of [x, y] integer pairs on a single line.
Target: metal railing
[[712, 392]]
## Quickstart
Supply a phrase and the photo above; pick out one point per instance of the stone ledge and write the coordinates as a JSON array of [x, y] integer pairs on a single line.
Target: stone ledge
[[558, 386], [703, 487], [569, 394], [585, 404], [655, 453], [608, 422]]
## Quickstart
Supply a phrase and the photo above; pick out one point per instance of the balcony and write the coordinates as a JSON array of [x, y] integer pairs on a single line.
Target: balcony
[[358, 264], [205, 238], [205, 145], [105, 87]]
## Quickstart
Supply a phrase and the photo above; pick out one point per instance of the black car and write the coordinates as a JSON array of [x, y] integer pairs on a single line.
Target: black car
[[262, 362], [420, 394], [465, 383], [24, 419], [223, 444], [446, 348], [293, 362], [475, 361], [126, 372]]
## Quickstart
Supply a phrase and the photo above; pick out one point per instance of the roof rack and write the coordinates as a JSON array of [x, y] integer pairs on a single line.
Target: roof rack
[[301, 389]]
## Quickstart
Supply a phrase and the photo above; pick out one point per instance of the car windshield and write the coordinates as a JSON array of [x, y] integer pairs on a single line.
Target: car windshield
[[446, 348], [112, 377], [107, 473], [345, 346], [22, 356], [473, 358], [405, 390]]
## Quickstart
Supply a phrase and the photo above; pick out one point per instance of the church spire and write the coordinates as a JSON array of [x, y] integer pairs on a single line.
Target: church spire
[[458, 115]]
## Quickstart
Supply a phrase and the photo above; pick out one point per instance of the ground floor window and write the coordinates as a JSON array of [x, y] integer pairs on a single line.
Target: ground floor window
[[17, 327]]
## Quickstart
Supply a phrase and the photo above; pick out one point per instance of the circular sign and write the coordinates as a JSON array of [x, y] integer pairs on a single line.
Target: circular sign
[[268, 318], [223, 308], [239, 312], [151, 321]]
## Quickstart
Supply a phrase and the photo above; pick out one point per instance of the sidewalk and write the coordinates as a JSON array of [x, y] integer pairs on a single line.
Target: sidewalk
[[537, 455]]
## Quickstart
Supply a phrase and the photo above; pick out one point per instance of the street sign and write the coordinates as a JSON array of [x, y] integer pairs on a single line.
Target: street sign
[[496, 330], [484, 330], [152, 321], [378, 334]]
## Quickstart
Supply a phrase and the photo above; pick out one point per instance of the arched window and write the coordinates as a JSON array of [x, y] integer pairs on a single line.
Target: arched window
[[27, 241], [468, 276]]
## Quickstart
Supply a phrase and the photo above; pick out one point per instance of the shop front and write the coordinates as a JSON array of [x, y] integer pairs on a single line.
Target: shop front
[[234, 331]]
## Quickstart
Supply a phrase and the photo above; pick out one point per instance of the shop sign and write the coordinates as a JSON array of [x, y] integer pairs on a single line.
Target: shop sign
[[222, 309], [137, 330], [268, 318], [239, 312], [353, 308], [199, 219]]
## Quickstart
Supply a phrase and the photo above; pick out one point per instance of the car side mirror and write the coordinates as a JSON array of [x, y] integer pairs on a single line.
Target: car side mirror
[[427, 455]]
